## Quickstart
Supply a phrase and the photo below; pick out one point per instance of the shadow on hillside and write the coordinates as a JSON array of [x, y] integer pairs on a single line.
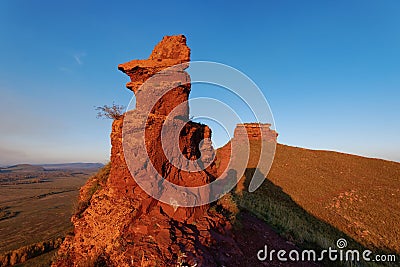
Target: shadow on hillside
[[291, 221]]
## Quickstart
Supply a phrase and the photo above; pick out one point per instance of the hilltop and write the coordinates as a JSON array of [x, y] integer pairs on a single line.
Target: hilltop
[[359, 196]]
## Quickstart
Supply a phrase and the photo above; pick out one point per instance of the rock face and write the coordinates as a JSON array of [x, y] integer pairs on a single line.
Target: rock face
[[171, 51], [123, 225], [255, 131], [255, 134]]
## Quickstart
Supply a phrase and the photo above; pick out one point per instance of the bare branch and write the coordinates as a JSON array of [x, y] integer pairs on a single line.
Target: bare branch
[[113, 112]]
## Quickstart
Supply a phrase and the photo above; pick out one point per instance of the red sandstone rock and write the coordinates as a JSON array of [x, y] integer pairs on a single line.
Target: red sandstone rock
[[172, 50], [123, 225], [255, 131]]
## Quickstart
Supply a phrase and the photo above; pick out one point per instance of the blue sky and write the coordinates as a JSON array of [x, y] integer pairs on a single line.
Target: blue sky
[[330, 70]]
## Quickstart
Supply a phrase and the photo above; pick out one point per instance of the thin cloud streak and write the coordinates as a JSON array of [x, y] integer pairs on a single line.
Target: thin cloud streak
[[78, 58]]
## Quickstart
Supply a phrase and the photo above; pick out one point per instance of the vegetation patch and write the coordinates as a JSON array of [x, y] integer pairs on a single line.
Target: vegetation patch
[[94, 183], [27, 252], [291, 221]]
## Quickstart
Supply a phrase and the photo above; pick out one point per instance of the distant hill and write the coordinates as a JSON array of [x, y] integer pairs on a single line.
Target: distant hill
[[22, 168], [49, 167], [72, 166]]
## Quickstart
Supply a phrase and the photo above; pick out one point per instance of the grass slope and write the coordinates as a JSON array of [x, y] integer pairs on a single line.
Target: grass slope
[[313, 198]]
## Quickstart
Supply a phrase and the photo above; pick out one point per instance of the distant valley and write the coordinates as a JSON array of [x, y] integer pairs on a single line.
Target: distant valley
[[37, 201]]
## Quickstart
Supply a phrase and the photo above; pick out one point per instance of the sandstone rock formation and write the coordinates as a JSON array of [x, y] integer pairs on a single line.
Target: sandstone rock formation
[[125, 226], [255, 131]]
